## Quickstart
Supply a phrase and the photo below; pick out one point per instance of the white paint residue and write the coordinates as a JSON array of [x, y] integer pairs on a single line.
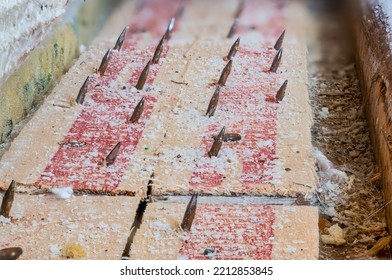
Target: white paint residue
[[102, 225], [290, 249], [5, 220], [72, 226], [54, 250], [63, 193], [266, 143], [324, 113]]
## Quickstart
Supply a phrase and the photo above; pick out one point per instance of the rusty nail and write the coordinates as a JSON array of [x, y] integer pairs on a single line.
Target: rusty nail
[[143, 76], [7, 201], [110, 159], [189, 214]]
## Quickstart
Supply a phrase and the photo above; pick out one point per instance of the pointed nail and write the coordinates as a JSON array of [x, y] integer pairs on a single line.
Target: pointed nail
[[111, 158], [138, 111], [233, 29], [276, 62], [225, 74], [140, 5], [231, 137], [169, 29], [180, 12], [213, 103], [8, 199], [143, 76], [190, 214], [279, 42], [240, 9], [158, 51], [12, 253], [104, 62], [120, 39], [234, 49], [217, 144], [282, 91], [82, 92]]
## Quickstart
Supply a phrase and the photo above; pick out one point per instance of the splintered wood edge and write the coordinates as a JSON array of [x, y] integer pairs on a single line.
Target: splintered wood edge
[[371, 24]]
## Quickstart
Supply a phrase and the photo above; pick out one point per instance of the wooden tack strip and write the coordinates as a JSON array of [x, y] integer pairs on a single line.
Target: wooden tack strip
[[43, 225], [233, 231], [89, 129]]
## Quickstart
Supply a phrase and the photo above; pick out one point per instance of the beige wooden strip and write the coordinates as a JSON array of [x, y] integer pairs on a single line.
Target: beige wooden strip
[[43, 226], [296, 233], [271, 232], [188, 121], [294, 148], [167, 92], [293, 170]]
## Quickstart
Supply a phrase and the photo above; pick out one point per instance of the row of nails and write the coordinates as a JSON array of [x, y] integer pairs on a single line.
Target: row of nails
[[139, 85], [213, 104], [13, 253], [8, 198], [214, 100], [190, 211], [144, 74], [218, 140]]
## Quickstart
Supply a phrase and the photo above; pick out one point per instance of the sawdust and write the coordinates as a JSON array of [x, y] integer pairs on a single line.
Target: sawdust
[[74, 251], [354, 202]]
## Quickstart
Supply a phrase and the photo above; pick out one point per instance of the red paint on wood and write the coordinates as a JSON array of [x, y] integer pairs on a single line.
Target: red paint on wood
[[206, 170], [118, 60], [101, 125], [245, 107], [235, 232], [104, 120]]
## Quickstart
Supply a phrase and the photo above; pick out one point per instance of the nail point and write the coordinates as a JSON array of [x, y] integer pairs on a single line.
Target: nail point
[[276, 62], [111, 157], [138, 111], [213, 102], [189, 214], [225, 73], [7, 201], [143, 76], [281, 92], [233, 29], [158, 51], [279, 42], [216, 146], [234, 49], [82, 92], [120, 39], [104, 62]]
